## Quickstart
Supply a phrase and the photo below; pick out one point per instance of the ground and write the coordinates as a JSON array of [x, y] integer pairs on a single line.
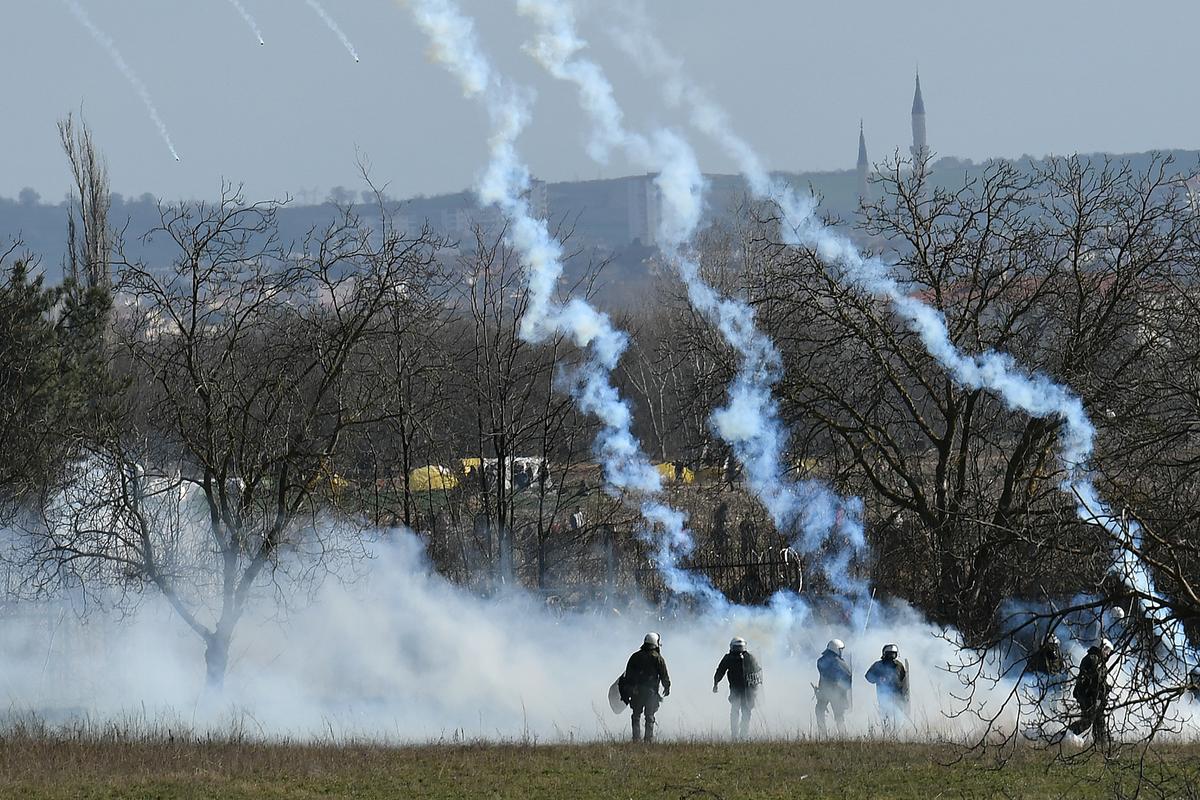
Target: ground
[[110, 767]]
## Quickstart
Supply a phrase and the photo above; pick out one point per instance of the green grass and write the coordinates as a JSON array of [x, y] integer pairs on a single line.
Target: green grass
[[102, 767]]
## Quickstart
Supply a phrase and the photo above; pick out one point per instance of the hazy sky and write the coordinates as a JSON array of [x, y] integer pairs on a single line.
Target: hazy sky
[[1024, 76]]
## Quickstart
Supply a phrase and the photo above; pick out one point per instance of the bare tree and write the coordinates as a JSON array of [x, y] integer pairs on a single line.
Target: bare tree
[[210, 482], [90, 242]]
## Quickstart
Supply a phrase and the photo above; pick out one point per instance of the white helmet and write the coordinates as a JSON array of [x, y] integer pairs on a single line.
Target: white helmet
[[654, 639], [737, 645], [1117, 613], [836, 645], [890, 650], [1106, 646]]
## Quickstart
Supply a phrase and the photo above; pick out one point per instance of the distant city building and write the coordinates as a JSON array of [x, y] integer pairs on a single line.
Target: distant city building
[[920, 147], [645, 208], [539, 200], [864, 166]]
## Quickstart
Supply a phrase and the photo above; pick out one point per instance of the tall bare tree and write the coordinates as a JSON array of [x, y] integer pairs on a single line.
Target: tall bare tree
[[212, 481], [90, 241]]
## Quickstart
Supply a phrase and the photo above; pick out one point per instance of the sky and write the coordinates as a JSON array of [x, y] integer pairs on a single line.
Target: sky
[[294, 116]]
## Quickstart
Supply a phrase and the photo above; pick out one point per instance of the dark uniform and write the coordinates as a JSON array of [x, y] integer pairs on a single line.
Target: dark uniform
[[1047, 667], [1091, 692], [745, 677], [891, 686], [639, 687], [833, 689]]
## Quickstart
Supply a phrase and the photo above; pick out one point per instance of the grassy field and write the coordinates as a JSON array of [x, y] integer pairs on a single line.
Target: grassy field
[[101, 767]]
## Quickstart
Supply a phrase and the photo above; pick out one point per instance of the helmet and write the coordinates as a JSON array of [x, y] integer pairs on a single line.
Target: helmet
[[836, 645], [1106, 645], [1117, 613], [653, 638], [1051, 638], [890, 650], [737, 645]]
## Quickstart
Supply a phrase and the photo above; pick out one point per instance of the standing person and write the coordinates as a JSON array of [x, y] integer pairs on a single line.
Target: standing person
[[644, 672], [745, 676], [1047, 666], [833, 687], [1091, 691], [890, 678]]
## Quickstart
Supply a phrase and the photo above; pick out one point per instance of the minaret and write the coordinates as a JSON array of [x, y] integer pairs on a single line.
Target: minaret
[[863, 165], [920, 148]]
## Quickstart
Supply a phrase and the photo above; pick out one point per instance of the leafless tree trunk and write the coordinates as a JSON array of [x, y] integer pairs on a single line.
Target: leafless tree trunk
[[90, 239]]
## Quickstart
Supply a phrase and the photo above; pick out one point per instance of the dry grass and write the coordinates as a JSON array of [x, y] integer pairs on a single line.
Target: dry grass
[[111, 761]]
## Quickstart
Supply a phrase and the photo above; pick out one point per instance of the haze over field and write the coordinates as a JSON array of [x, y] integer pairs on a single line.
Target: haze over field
[[413, 471]]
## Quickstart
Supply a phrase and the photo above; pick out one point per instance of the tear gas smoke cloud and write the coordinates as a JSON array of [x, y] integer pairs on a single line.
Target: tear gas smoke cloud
[[807, 512], [996, 372], [333, 26], [402, 655], [505, 183], [107, 43], [250, 23]]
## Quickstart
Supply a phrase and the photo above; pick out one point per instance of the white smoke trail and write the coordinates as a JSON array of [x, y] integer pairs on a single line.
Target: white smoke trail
[[249, 20], [107, 43], [333, 26], [505, 183], [1035, 394], [750, 422]]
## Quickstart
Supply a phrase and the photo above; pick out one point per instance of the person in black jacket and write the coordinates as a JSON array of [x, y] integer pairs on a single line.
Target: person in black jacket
[[1048, 669], [833, 687], [890, 677], [745, 676], [1091, 691], [644, 672]]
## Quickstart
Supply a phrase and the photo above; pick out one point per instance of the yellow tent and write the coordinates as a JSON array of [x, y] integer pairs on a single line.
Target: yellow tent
[[667, 470], [432, 478], [469, 464]]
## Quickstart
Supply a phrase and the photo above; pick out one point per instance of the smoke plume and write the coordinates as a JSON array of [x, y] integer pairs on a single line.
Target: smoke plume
[[807, 512], [333, 26], [401, 655], [107, 43], [1034, 394], [250, 23], [505, 182]]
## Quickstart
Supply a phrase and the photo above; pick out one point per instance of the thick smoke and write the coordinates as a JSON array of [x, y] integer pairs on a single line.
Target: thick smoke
[[250, 23], [333, 26], [1034, 394], [750, 421], [107, 43], [402, 655], [505, 183]]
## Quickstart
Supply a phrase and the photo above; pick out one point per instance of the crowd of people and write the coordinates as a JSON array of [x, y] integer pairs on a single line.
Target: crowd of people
[[646, 681]]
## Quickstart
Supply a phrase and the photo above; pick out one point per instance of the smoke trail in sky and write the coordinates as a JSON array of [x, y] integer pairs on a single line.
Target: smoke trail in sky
[[506, 182], [807, 512], [1035, 394], [249, 20], [103, 39], [333, 26]]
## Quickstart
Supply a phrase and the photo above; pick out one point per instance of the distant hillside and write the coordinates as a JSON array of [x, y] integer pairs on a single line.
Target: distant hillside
[[612, 219]]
